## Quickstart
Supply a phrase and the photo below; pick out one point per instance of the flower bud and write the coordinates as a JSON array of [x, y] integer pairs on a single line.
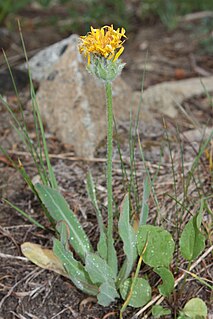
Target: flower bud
[[106, 70]]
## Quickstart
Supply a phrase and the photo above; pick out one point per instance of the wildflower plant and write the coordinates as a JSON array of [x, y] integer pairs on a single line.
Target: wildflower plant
[[98, 273]]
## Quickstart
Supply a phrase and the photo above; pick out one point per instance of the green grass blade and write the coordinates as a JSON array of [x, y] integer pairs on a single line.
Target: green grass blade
[[20, 126], [24, 136], [31, 219], [149, 176], [52, 177], [200, 153], [19, 167], [145, 207], [28, 180], [92, 196], [124, 172], [133, 187]]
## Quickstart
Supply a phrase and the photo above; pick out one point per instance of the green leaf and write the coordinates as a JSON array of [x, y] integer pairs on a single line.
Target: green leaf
[[107, 294], [92, 195], [195, 308], [145, 208], [60, 211], [31, 219], [121, 274], [102, 246], [158, 311], [192, 241], [102, 243], [98, 269], [168, 281], [128, 237], [200, 215], [141, 294], [160, 245], [112, 257], [74, 268], [63, 230]]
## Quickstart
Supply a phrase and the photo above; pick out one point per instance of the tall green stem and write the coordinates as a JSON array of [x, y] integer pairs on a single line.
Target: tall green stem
[[111, 254]]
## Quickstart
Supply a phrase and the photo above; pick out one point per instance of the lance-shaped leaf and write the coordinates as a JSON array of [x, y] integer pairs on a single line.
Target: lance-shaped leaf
[[107, 293], [160, 245], [98, 269], [64, 232], [168, 281], [102, 243], [128, 237], [74, 269], [112, 257], [60, 211], [192, 241]]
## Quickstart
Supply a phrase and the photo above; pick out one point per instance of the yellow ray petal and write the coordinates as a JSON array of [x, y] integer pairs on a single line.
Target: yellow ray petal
[[118, 54]]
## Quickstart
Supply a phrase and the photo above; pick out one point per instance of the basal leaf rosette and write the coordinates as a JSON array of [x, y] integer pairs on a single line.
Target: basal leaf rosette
[[102, 48]]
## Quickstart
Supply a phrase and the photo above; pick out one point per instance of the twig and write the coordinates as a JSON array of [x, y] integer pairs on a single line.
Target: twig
[[67, 157], [74, 313], [158, 299], [197, 15], [17, 226], [16, 58], [197, 68], [13, 257]]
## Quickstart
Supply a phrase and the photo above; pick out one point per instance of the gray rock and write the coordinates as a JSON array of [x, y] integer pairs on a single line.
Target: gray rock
[[43, 62], [73, 102], [167, 97], [197, 135]]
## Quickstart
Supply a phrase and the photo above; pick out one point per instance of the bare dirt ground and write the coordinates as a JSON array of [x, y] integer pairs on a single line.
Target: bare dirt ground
[[27, 291]]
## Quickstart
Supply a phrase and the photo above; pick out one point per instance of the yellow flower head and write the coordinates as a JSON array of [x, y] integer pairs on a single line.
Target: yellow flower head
[[105, 42]]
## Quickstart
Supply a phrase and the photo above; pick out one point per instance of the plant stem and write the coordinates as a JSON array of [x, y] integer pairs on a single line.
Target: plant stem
[[109, 173], [184, 280]]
